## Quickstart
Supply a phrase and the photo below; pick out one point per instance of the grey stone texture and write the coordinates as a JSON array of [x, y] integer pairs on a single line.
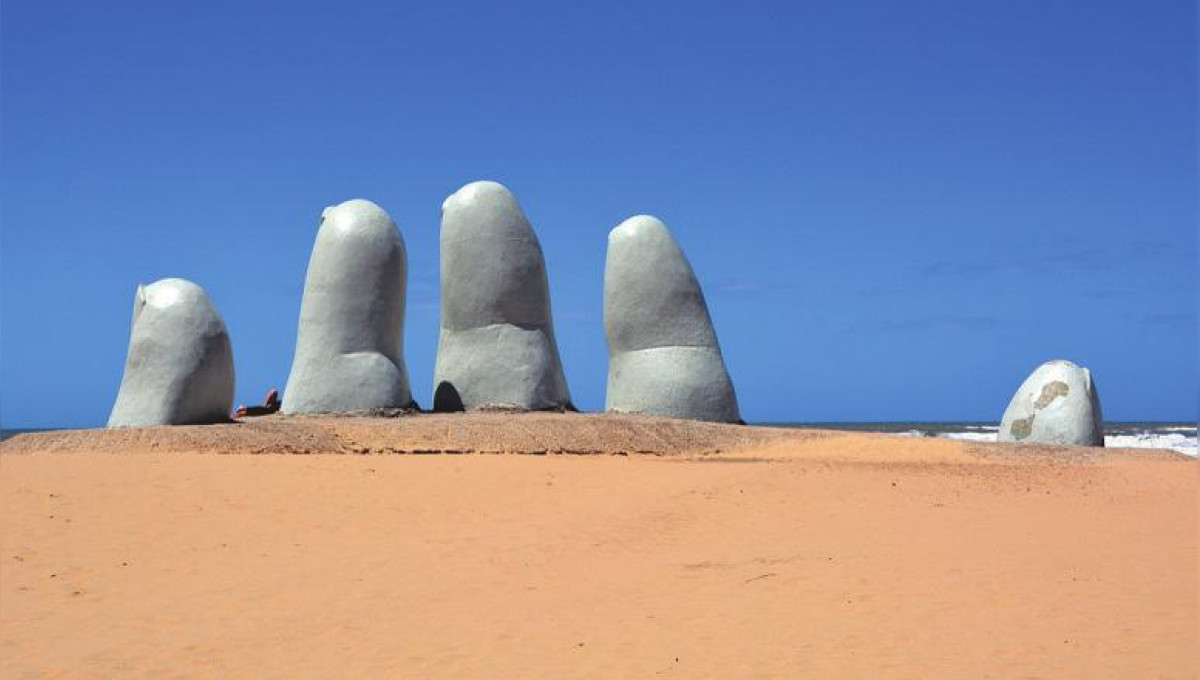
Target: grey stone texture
[[179, 369], [496, 347], [1057, 404], [349, 345], [663, 356]]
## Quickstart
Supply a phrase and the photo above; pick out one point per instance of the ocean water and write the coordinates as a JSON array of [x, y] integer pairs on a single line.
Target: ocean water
[[1179, 437]]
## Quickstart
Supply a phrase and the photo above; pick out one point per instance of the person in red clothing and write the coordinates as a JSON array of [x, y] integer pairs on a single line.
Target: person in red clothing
[[270, 405]]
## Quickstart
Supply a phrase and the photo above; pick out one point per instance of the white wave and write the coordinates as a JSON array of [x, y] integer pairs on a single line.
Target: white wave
[[1181, 437], [1144, 440], [1153, 440], [970, 436]]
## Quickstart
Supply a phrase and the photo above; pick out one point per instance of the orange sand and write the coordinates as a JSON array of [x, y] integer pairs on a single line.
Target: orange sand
[[786, 555]]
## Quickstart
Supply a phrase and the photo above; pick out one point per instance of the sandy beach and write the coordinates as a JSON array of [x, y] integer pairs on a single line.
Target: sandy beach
[[427, 546]]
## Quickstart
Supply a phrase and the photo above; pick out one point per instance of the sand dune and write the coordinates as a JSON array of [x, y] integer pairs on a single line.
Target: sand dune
[[705, 551]]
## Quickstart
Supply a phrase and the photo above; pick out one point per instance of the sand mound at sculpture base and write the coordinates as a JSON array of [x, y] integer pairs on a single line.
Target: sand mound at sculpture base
[[547, 433]]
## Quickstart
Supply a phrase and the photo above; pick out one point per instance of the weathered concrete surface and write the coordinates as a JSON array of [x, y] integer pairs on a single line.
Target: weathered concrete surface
[[179, 370], [1057, 404], [349, 346], [496, 346], [662, 350]]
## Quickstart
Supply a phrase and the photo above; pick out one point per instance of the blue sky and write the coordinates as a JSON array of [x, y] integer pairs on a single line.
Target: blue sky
[[897, 210]]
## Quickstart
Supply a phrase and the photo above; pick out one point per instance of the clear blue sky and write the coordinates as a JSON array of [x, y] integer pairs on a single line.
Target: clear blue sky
[[897, 210]]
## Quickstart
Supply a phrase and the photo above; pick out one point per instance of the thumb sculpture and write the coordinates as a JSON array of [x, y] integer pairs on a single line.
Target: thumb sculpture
[[663, 356], [496, 346], [1057, 404], [350, 339], [179, 370]]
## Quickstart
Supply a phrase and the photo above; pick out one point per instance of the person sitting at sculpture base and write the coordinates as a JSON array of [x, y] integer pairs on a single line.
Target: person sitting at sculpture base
[[270, 405]]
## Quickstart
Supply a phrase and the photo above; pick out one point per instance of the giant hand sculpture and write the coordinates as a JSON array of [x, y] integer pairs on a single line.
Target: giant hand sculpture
[[1057, 404], [179, 370], [497, 345], [663, 357], [349, 346]]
